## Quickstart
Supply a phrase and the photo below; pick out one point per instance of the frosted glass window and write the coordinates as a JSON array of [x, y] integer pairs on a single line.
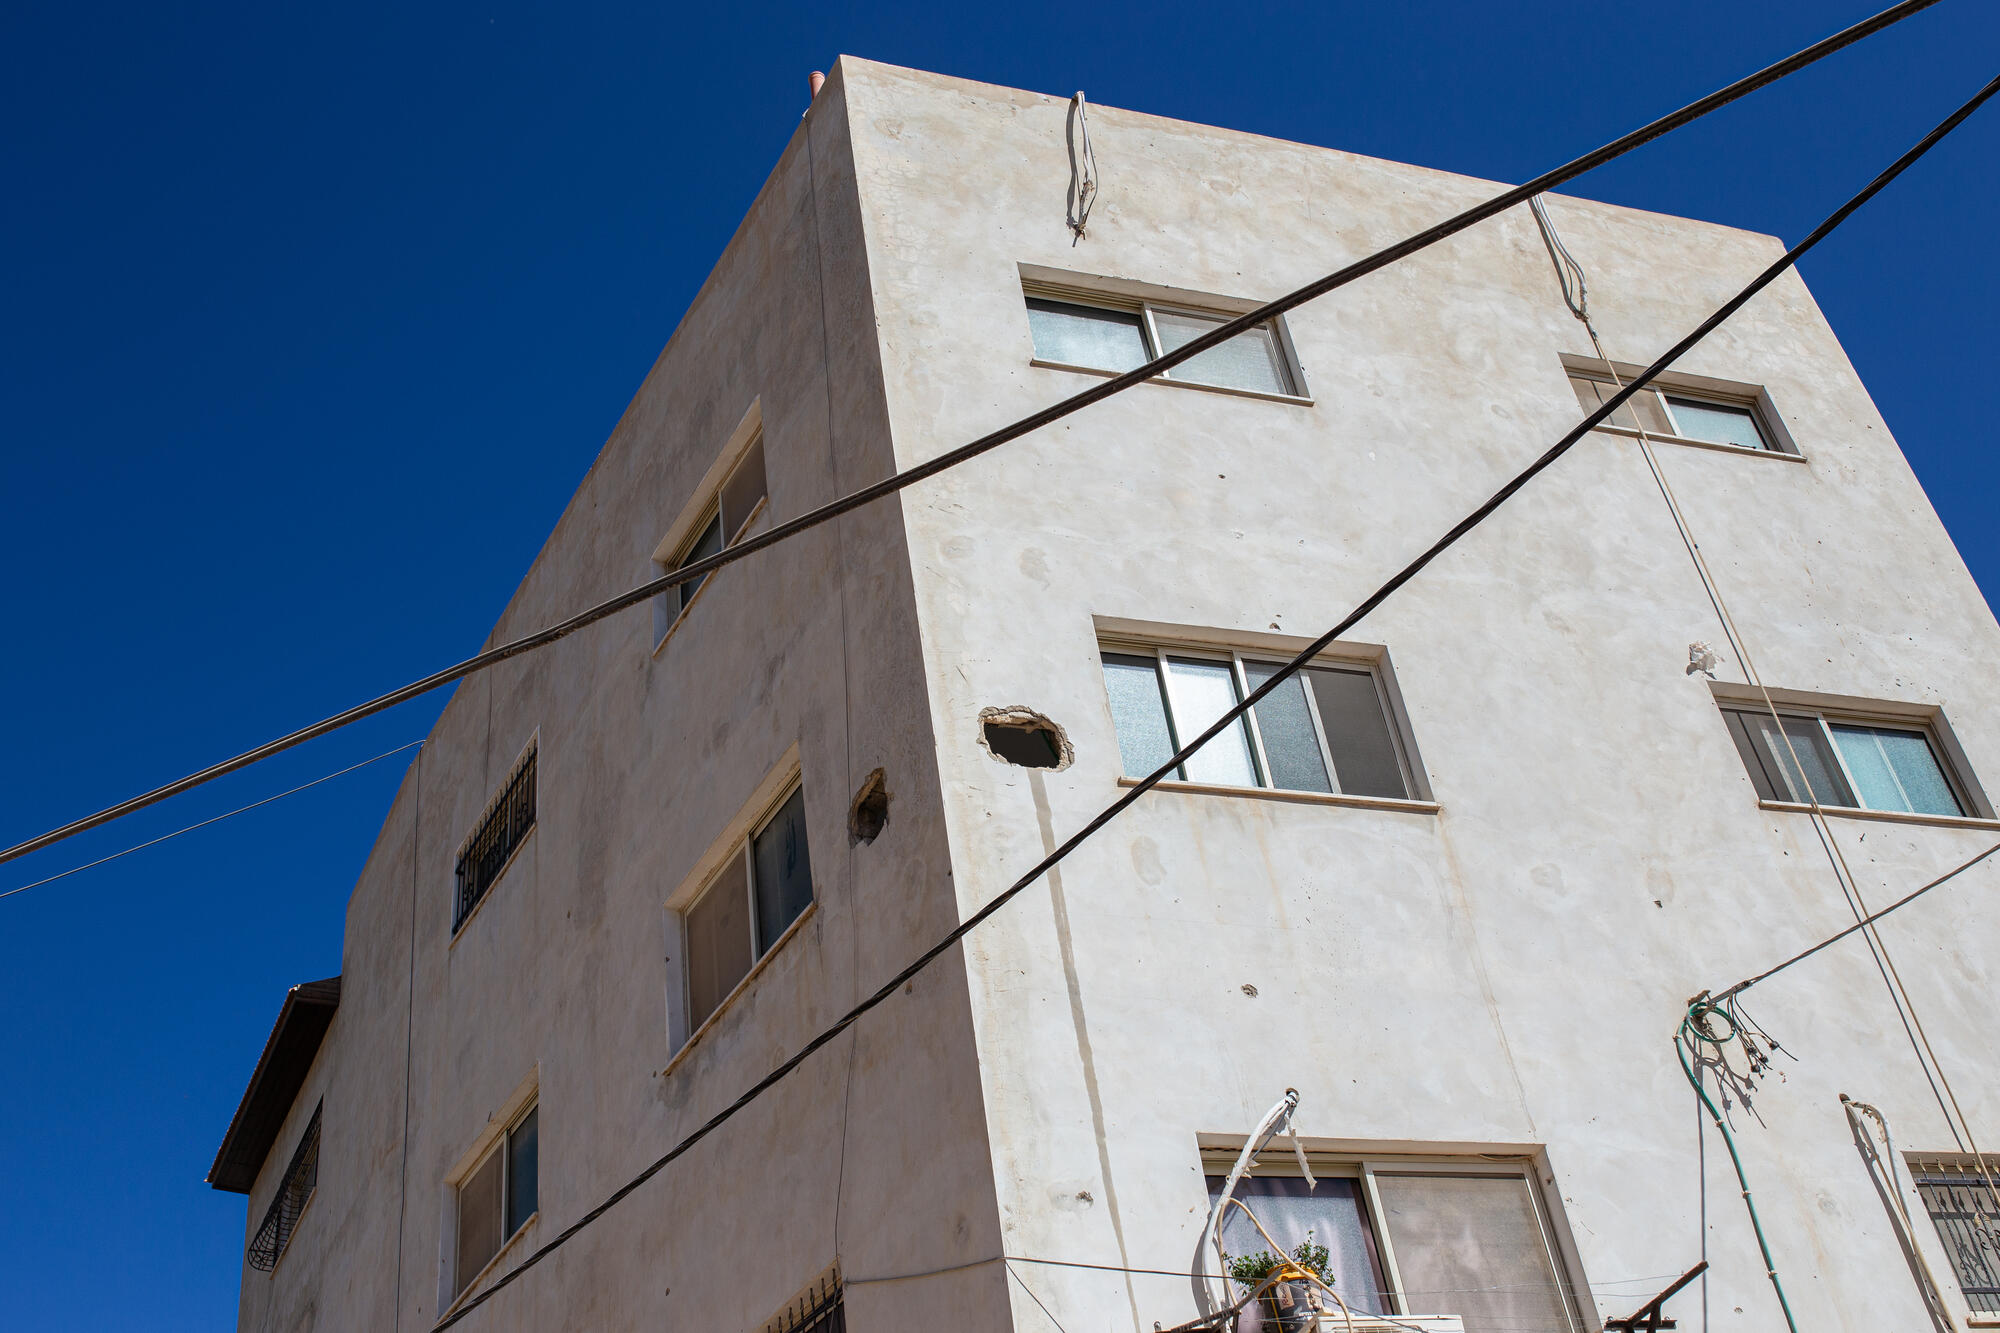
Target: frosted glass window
[[1291, 743], [1642, 409], [1202, 692], [1895, 769], [1717, 423], [1079, 335], [784, 871], [1139, 712], [1252, 360], [1473, 1246], [1334, 1215]]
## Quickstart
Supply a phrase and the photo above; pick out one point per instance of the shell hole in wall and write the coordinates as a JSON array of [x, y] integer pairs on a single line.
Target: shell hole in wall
[[870, 811], [1025, 738]]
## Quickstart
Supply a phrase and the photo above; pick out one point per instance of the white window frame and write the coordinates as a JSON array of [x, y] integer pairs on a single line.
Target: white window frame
[[1944, 749], [1778, 442], [1417, 791], [1144, 306], [525, 1100], [1556, 1244], [737, 846], [704, 504]]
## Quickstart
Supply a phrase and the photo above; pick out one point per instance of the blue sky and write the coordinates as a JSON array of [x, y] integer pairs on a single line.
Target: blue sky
[[313, 319]]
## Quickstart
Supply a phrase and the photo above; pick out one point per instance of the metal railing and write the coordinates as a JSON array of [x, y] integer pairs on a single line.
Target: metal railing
[[293, 1192], [1967, 1215], [503, 829]]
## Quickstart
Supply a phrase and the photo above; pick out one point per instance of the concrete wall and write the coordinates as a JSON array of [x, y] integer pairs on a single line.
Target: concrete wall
[[1509, 969], [875, 1152]]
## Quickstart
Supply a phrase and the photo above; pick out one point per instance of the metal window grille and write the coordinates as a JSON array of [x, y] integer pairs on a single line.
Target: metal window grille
[[487, 850], [1967, 1216], [300, 1179], [818, 1309]]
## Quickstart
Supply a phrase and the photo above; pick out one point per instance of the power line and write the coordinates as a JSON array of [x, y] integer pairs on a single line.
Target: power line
[[923, 471], [1312, 650], [1868, 920], [154, 842]]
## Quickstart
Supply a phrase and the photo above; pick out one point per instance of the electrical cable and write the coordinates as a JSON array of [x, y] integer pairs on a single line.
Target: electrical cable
[[217, 819], [1131, 794], [1034, 421]]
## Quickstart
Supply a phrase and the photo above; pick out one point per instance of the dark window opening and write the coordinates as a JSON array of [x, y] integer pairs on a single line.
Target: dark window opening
[[1025, 743], [870, 812], [503, 830]]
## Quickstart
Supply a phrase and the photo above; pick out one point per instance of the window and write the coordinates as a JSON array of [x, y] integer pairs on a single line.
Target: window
[[728, 512], [1328, 728], [1852, 762], [295, 1190], [493, 844], [1465, 1237], [1680, 414], [1104, 333], [1966, 1212], [763, 887], [496, 1199]]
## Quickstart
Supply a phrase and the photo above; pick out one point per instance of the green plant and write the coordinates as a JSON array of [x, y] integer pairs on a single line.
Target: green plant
[[1251, 1269]]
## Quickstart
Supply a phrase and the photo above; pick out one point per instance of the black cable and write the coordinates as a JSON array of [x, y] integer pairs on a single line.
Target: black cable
[[910, 476], [1865, 921], [1312, 650]]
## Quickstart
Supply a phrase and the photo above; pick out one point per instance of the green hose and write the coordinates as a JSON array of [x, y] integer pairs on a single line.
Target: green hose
[[1690, 1026]]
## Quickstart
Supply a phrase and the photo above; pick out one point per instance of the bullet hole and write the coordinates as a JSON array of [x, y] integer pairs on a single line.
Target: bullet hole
[[1021, 736], [870, 810], [1658, 903], [1250, 990], [1084, 1196]]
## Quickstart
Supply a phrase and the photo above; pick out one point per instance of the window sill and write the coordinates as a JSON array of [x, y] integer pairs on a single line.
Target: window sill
[[485, 1272], [736, 992], [1887, 816], [1403, 805], [1686, 443], [1170, 382]]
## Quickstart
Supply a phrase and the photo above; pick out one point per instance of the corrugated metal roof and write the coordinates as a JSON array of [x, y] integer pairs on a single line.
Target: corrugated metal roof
[[274, 1084]]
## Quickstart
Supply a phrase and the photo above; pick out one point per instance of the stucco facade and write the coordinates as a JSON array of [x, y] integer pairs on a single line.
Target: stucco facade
[[1493, 966]]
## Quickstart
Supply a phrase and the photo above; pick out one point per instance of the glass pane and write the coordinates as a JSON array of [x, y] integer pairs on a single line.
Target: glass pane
[[718, 942], [1592, 394], [1472, 1246], [1781, 762], [478, 1219], [523, 1153], [1081, 335], [1334, 1215], [1202, 692], [743, 490], [1139, 712], [1895, 769], [705, 546], [1717, 423], [1357, 731], [1251, 360], [1290, 742], [784, 871]]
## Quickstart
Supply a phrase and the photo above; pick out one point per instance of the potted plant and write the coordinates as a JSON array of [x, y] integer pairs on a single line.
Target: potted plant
[[1289, 1303]]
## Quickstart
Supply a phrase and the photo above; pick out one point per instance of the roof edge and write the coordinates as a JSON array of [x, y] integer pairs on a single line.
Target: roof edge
[[274, 1084]]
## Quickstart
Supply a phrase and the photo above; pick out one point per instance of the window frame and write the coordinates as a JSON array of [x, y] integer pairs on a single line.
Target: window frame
[[1950, 761], [1528, 1167], [671, 607], [1747, 398], [500, 1143], [1416, 788], [1144, 306], [736, 849]]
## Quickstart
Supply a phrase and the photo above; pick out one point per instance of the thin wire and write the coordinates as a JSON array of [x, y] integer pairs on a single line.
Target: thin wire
[[164, 837], [952, 458], [1036, 1299], [1229, 716], [1870, 920]]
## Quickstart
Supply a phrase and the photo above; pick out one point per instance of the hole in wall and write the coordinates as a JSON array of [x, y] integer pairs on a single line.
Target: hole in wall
[[870, 810], [1021, 736]]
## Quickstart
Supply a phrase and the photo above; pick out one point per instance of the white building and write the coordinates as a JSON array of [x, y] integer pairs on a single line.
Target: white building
[[1456, 895]]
